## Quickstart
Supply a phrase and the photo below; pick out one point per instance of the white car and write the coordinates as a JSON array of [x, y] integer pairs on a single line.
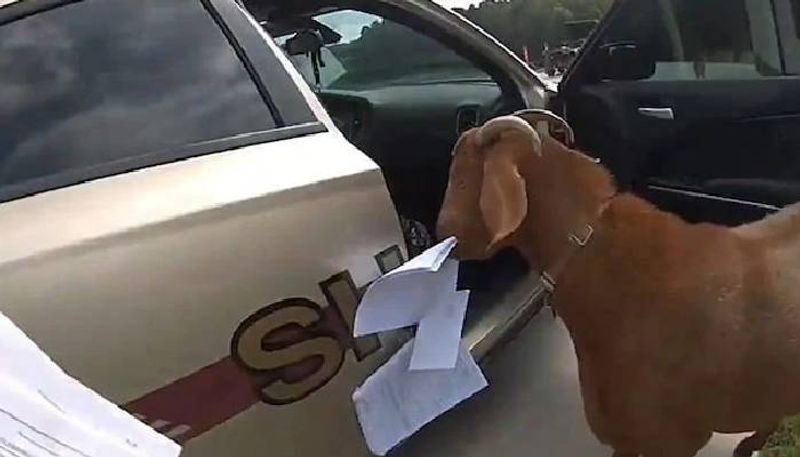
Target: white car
[[187, 224]]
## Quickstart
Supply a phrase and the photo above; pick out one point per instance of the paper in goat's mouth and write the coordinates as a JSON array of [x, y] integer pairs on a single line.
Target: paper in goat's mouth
[[434, 371], [422, 292]]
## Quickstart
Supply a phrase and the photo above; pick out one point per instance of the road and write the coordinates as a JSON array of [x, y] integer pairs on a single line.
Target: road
[[532, 407]]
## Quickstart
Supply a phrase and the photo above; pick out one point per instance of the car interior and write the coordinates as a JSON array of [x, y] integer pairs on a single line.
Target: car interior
[[403, 95]]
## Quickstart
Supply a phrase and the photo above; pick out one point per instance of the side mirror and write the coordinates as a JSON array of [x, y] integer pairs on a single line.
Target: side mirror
[[625, 62]]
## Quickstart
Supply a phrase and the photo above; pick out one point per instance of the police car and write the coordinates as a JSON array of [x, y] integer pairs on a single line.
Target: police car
[[187, 227], [195, 193]]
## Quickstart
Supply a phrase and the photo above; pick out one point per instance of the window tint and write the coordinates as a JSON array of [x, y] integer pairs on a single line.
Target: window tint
[[708, 39], [99, 81]]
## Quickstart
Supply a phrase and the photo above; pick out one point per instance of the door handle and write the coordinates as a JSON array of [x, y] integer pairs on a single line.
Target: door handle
[[658, 113]]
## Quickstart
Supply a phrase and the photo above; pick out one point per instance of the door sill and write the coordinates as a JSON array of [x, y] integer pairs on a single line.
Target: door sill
[[505, 316]]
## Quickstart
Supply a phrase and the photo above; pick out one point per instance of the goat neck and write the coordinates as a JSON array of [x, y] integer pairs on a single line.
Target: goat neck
[[566, 192]]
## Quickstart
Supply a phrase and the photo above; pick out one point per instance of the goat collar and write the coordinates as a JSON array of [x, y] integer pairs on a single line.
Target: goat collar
[[578, 241]]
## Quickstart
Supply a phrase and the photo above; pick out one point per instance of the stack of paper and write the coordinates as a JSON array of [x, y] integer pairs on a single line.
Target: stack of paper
[[422, 292], [46, 413], [433, 372], [395, 402]]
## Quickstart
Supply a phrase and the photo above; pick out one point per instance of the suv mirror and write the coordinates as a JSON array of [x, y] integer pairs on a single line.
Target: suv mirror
[[625, 62]]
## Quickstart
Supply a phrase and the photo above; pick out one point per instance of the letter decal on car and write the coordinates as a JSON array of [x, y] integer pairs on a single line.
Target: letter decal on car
[[279, 355], [344, 297], [293, 340]]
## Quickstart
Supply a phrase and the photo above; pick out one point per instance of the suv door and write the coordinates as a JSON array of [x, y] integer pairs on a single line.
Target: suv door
[[694, 104]]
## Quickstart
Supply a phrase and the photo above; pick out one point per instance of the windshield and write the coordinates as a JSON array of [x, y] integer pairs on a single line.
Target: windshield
[[375, 52]]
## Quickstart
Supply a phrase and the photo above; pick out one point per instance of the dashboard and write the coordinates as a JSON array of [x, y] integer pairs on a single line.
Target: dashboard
[[433, 109], [410, 131], [349, 113]]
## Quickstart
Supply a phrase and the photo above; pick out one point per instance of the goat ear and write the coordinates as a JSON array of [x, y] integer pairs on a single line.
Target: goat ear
[[503, 200]]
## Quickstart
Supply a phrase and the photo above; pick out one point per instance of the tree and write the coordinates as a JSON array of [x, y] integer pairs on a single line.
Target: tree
[[533, 23]]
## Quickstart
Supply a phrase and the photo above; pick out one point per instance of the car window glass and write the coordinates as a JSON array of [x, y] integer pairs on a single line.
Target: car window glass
[[705, 40], [98, 81], [787, 14], [376, 52]]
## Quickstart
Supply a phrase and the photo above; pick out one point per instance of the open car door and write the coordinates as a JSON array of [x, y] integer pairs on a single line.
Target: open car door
[[694, 104]]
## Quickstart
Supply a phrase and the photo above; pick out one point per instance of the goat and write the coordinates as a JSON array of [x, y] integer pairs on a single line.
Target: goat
[[680, 329]]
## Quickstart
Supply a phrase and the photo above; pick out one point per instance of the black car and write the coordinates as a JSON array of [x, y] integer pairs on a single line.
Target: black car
[[694, 104]]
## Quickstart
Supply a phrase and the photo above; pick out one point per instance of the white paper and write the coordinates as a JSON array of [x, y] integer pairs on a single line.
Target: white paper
[[430, 260], [422, 292], [435, 335], [402, 297], [31, 427], [24, 363], [394, 403]]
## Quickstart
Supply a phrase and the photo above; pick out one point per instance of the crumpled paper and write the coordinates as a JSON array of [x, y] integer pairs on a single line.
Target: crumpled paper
[[434, 371]]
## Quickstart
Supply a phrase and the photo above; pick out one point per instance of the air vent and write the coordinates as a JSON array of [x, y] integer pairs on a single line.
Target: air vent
[[467, 118]]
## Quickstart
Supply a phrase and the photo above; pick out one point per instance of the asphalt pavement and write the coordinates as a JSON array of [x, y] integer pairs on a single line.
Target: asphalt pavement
[[532, 407]]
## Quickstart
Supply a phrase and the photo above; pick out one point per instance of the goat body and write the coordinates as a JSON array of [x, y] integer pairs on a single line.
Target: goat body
[[680, 329]]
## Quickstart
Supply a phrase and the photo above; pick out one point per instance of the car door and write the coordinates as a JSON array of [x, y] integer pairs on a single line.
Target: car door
[[694, 104], [183, 229]]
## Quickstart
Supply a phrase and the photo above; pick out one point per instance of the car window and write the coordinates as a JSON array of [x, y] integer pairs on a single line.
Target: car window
[[705, 40], [376, 52], [95, 82], [787, 13]]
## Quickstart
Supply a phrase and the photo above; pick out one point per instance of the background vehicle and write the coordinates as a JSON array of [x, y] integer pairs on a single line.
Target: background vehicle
[[186, 231], [557, 60], [694, 104]]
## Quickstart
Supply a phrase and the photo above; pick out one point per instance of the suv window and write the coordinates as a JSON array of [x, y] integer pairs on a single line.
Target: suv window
[[376, 52], [705, 40], [96, 82]]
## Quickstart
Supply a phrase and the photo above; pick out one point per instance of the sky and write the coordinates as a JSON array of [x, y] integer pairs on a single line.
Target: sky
[[456, 3]]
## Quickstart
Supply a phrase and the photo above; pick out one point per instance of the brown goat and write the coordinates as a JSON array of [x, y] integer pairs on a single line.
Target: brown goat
[[680, 330]]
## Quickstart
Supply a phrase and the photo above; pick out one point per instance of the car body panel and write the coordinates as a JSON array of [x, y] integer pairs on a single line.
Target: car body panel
[[142, 279]]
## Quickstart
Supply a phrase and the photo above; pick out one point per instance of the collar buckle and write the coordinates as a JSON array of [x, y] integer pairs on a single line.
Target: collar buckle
[[583, 241]]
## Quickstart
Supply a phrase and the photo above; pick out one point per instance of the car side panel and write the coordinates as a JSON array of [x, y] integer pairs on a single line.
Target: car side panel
[[135, 282]]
